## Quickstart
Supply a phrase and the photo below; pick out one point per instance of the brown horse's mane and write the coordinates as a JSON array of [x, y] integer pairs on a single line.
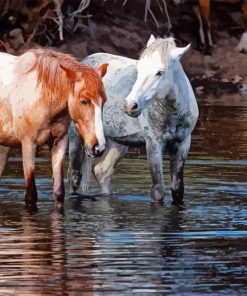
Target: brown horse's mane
[[54, 81]]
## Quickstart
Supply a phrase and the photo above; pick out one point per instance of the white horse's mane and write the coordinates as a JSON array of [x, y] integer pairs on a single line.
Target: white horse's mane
[[163, 46]]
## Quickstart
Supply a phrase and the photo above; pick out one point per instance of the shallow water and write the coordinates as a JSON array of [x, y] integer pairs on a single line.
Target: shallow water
[[125, 244]]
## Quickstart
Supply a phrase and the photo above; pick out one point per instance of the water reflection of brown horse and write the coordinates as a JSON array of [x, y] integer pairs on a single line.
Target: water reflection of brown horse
[[40, 92], [201, 9]]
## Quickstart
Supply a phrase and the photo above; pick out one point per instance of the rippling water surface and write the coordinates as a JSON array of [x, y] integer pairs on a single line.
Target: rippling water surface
[[125, 244]]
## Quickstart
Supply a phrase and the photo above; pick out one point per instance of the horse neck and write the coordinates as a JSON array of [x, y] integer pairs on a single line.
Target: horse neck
[[58, 105], [180, 91], [177, 98]]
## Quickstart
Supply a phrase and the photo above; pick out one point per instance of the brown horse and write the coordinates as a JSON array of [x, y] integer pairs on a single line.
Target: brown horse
[[201, 10], [40, 92]]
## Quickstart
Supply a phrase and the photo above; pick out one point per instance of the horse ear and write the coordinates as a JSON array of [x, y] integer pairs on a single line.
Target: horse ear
[[72, 75], [150, 40], [176, 53], [102, 70]]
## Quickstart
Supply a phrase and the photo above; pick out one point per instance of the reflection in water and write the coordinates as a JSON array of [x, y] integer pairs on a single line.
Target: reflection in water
[[221, 133], [126, 244]]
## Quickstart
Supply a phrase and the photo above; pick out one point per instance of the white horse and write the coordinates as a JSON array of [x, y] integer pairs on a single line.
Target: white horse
[[158, 96]]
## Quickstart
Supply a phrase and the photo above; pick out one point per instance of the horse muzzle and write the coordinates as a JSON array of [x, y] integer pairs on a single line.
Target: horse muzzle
[[132, 109], [98, 150]]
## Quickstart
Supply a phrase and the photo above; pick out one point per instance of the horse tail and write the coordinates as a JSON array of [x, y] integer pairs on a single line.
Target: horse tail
[[86, 171]]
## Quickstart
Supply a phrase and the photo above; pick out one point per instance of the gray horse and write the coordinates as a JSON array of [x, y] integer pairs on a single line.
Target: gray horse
[[162, 112]]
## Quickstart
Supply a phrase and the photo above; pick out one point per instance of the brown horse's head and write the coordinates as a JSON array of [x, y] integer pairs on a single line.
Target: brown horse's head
[[85, 105], [65, 81]]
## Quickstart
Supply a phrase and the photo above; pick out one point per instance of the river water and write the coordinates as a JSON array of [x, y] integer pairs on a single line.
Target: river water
[[125, 244]]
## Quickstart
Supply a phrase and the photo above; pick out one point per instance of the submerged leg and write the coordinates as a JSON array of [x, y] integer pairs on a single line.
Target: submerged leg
[[28, 155], [155, 151], [178, 153], [103, 169], [58, 151], [3, 158], [76, 153]]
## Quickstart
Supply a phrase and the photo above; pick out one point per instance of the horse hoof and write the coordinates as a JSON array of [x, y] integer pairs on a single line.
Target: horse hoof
[[74, 189], [31, 208], [157, 196], [59, 206], [31, 200], [158, 192], [159, 199]]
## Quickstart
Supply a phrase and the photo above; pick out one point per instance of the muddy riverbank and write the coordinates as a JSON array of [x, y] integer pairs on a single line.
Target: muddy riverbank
[[121, 30]]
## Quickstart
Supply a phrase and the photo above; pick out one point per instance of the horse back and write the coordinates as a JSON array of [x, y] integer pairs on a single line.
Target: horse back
[[7, 75], [7, 70], [19, 97]]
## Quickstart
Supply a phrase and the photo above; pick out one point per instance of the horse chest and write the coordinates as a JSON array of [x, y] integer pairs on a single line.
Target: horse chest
[[116, 123], [165, 125]]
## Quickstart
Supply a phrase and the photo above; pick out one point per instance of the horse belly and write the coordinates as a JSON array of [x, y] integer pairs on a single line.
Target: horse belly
[[133, 140], [123, 132]]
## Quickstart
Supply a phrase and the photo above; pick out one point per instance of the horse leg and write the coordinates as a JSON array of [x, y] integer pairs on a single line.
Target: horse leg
[[155, 151], [3, 158], [178, 153], [58, 151], [197, 13], [244, 10], [205, 12], [242, 45], [103, 170], [28, 155], [76, 153]]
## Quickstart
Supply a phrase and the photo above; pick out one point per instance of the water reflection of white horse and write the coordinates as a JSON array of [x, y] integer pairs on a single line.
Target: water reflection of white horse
[[158, 96]]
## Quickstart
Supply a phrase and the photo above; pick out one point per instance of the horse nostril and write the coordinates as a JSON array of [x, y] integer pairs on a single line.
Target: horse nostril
[[134, 106], [98, 150]]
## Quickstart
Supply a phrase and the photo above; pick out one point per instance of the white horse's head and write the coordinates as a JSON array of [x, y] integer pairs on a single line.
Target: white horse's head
[[154, 78]]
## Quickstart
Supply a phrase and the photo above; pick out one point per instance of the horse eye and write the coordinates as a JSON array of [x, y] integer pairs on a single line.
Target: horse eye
[[84, 102], [159, 73]]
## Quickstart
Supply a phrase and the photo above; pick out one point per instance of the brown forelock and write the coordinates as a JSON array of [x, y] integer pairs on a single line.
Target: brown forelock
[[93, 87], [54, 81]]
